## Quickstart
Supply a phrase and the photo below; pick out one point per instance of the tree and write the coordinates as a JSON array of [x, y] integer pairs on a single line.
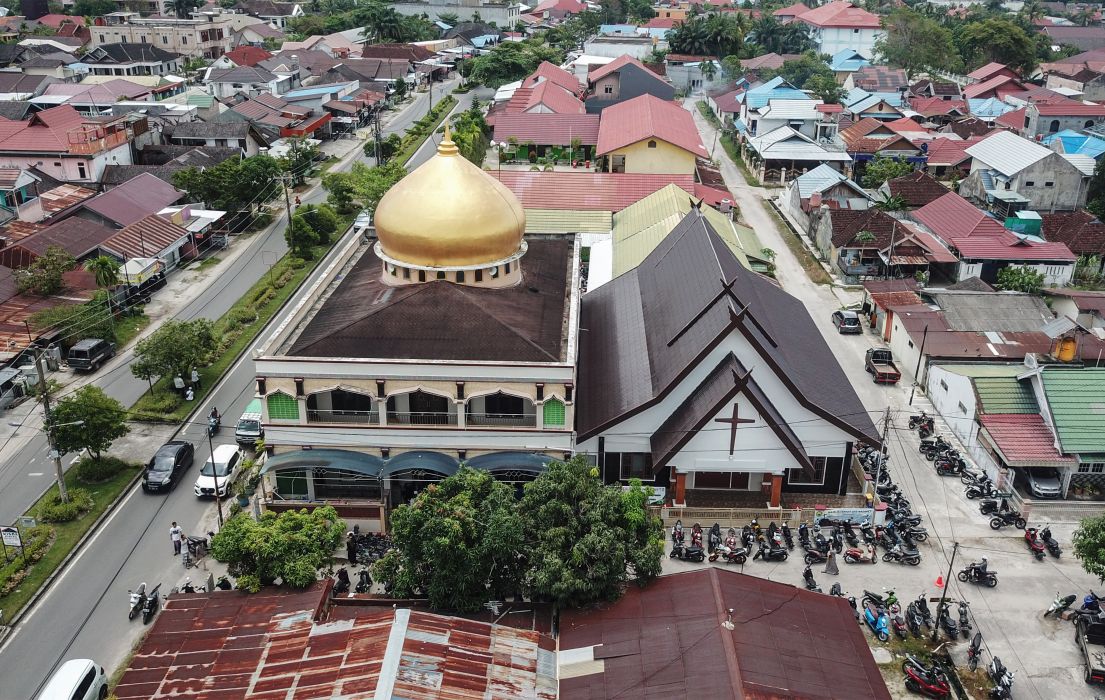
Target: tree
[[450, 18], [92, 8], [301, 237], [585, 540], [340, 191], [75, 322], [892, 203], [290, 547], [44, 276], [882, 169], [370, 184], [996, 39], [809, 72], [1089, 545], [459, 541], [105, 269], [301, 156], [824, 87], [639, 11], [512, 61], [1095, 190], [235, 185], [399, 89], [323, 219], [915, 43], [174, 349], [1016, 278], [102, 421], [183, 8]]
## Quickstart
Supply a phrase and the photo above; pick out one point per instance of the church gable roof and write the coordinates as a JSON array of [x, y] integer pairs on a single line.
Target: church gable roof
[[649, 327]]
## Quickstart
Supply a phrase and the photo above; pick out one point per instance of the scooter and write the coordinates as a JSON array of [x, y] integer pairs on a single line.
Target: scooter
[[687, 553], [804, 536], [811, 584], [990, 506], [1012, 517], [862, 556], [815, 556], [922, 606], [1091, 603], [898, 554], [868, 532], [964, 620], [981, 490], [715, 538], [187, 587], [341, 582], [877, 621], [1002, 678], [897, 622], [974, 652], [224, 584], [137, 600], [364, 581], [1051, 543], [945, 620], [888, 601], [972, 573], [213, 425], [916, 421], [151, 605], [850, 535], [696, 535], [837, 591], [787, 536], [677, 535], [1060, 604], [769, 552], [1035, 545], [933, 683], [730, 551]]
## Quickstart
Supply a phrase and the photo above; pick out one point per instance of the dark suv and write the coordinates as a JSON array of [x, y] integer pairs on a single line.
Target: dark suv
[[172, 460], [90, 353]]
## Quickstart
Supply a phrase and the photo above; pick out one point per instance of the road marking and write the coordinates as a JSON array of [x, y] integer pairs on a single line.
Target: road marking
[[32, 460], [74, 461], [34, 473]]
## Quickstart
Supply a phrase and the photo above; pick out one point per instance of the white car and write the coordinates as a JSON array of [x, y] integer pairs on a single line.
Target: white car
[[219, 473], [76, 679]]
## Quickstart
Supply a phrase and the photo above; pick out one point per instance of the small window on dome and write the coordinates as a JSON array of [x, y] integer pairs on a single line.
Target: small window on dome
[[652, 144], [506, 268], [479, 275], [406, 273], [460, 276], [440, 275], [421, 275], [493, 271]]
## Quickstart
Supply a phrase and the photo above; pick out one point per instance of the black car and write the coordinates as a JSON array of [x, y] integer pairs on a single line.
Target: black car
[[88, 354], [846, 322], [172, 460]]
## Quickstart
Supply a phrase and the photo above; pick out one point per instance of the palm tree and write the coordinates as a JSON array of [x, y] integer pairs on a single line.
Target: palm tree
[[767, 32], [105, 269], [892, 203]]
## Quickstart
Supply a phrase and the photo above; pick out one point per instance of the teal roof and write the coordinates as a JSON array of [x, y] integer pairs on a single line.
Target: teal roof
[[1076, 397], [1076, 143], [775, 89], [1005, 395]]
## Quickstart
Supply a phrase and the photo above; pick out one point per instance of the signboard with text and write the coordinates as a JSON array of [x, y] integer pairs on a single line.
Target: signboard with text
[[10, 536]]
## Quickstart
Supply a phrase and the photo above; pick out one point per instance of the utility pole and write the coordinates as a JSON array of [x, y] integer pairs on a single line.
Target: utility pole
[[287, 199], [917, 369], [944, 592], [215, 475], [379, 138], [883, 453], [62, 491]]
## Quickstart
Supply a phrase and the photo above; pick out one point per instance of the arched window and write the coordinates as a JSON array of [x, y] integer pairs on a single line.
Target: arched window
[[554, 413], [282, 407], [652, 144], [1053, 127], [1088, 124]]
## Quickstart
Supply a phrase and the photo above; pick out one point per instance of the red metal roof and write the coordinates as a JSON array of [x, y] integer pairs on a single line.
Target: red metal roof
[[248, 55], [829, 108], [711, 195], [1070, 108], [840, 14], [981, 89], [945, 151], [586, 191], [951, 216], [1009, 246], [548, 129], [1014, 119], [662, 23], [667, 640], [1023, 439], [989, 70], [553, 74], [555, 98], [616, 64], [791, 10], [135, 199], [145, 238], [645, 117], [936, 106]]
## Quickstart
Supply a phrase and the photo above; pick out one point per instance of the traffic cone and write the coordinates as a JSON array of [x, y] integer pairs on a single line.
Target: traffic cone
[[940, 581]]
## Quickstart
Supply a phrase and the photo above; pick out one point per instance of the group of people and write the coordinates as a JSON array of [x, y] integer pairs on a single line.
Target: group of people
[[185, 389]]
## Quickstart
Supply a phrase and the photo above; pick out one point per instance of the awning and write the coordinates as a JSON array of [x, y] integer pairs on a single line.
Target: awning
[[345, 460], [429, 461], [511, 461]]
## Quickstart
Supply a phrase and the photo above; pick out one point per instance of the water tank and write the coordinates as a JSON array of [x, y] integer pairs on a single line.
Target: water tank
[[1065, 349]]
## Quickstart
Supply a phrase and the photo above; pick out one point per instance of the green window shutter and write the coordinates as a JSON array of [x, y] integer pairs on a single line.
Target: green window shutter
[[283, 407], [554, 412]]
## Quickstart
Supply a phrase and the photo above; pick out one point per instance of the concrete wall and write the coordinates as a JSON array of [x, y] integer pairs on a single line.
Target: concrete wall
[[180, 38], [1092, 90], [613, 47], [1042, 125], [689, 78], [663, 159], [832, 39], [953, 396], [504, 16], [1050, 184], [631, 82]]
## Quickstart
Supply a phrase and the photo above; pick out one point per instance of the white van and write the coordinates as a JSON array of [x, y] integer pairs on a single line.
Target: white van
[[77, 679], [218, 474]]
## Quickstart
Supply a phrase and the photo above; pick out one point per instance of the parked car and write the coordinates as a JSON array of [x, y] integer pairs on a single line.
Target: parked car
[[88, 354], [846, 321], [76, 679], [167, 465], [219, 472], [879, 363], [1042, 482]]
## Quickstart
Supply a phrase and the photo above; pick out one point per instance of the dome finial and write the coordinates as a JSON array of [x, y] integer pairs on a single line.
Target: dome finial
[[447, 147]]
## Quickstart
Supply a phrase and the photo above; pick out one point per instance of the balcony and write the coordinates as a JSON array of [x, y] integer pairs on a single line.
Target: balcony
[[501, 420], [859, 269], [421, 418], [86, 144], [337, 416]]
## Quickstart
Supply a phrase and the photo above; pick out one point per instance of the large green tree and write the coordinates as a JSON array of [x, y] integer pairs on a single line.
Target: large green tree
[[301, 237], [44, 276], [882, 169], [809, 72], [585, 540], [1095, 190], [459, 541], [996, 39], [235, 185], [290, 547], [1089, 545], [88, 419], [916, 43], [511, 61], [1020, 278], [174, 349], [75, 322]]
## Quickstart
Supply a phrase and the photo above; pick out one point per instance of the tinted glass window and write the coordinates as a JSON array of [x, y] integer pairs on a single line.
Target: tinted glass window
[[86, 683], [78, 353], [208, 470]]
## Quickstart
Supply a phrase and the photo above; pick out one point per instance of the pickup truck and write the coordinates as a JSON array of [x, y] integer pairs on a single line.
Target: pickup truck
[[880, 365], [1089, 633]]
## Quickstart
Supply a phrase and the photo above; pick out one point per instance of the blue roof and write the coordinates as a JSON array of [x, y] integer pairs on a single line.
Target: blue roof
[[317, 90], [1078, 143], [481, 41], [848, 60], [990, 108], [774, 89], [617, 29], [658, 32]]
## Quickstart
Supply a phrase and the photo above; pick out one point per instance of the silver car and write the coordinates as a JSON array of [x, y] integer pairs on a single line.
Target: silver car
[[1042, 482]]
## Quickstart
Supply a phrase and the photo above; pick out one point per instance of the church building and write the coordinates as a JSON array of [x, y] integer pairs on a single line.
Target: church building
[[449, 339], [702, 377]]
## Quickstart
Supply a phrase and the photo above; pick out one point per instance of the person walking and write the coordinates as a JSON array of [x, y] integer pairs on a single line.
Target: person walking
[[178, 384], [351, 549], [195, 379], [177, 536], [830, 565]]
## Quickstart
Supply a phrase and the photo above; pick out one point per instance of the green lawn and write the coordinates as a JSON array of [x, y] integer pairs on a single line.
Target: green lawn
[[209, 261], [128, 327], [708, 114], [440, 110], [67, 535]]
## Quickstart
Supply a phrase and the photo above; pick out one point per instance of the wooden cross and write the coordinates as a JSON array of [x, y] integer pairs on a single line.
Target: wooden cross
[[733, 423]]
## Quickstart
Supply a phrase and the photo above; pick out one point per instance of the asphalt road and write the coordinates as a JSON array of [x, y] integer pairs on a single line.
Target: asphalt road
[[84, 613]]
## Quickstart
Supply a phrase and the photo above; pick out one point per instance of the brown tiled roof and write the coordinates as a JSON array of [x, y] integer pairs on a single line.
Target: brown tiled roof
[[649, 326], [848, 223], [405, 51], [879, 78], [685, 651], [1083, 232], [145, 238], [74, 235], [970, 126], [143, 195], [917, 189], [440, 320]]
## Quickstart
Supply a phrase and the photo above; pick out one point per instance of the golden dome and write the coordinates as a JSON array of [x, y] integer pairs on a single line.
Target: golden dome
[[449, 213]]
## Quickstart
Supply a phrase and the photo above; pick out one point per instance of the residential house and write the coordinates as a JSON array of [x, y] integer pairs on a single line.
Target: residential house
[[67, 146], [651, 422], [20, 190], [929, 88], [1083, 73], [78, 237], [624, 79], [886, 106], [840, 25], [785, 152], [916, 189], [881, 296], [547, 72], [284, 118], [245, 55], [1085, 38], [246, 80], [550, 135], [845, 62], [269, 12], [648, 135], [637, 47], [234, 134], [686, 72], [546, 97], [783, 98], [132, 59], [851, 239], [878, 79], [259, 34], [22, 87], [1081, 231], [870, 137], [152, 236], [725, 105], [938, 110], [999, 87], [1010, 173], [378, 74], [768, 61], [822, 186], [200, 158], [1085, 308], [1075, 143], [788, 13], [124, 205], [1044, 119], [206, 38], [989, 71]]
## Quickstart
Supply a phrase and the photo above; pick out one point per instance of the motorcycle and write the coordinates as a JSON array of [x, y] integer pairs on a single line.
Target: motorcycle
[[811, 584], [224, 584], [730, 551], [837, 541], [913, 619], [1035, 545], [930, 448], [804, 536], [1050, 542], [213, 424], [715, 538], [972, 573], [687, 553], [1060, 604], [945, 621], [815, 556], [137, 600], [948, 467], [850, 535], [151, 605], [364, 581], [868, 532], [898, 554], [696, 535], [1011, 517], [769, 552], [974, 652], [991, 506], [787, 536], [1002, 678], [889, 601], [970, 478], [187, 587], [677, 535], [964, 620], [916, 421], [341, 582], [922, 605], [861, 556], [931, 683], [877, 621], [897, 623], [748, 537], [984, 489]]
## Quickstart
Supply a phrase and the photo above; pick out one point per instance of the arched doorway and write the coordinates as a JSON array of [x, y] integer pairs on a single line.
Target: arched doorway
[[420, 408]]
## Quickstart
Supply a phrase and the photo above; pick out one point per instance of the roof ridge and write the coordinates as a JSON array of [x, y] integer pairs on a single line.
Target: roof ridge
[[483, 310]]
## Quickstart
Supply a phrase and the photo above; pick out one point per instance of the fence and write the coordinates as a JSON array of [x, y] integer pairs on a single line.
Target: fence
[[727, 517], [1059, 511]]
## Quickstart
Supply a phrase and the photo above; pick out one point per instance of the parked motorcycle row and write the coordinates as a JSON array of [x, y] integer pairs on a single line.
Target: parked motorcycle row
[[752, 542], [903, 527]]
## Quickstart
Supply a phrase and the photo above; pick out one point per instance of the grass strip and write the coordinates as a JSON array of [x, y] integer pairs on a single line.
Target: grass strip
[[423, 128], [128, 327], [67, 535], [727, 142], [806, 259]]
